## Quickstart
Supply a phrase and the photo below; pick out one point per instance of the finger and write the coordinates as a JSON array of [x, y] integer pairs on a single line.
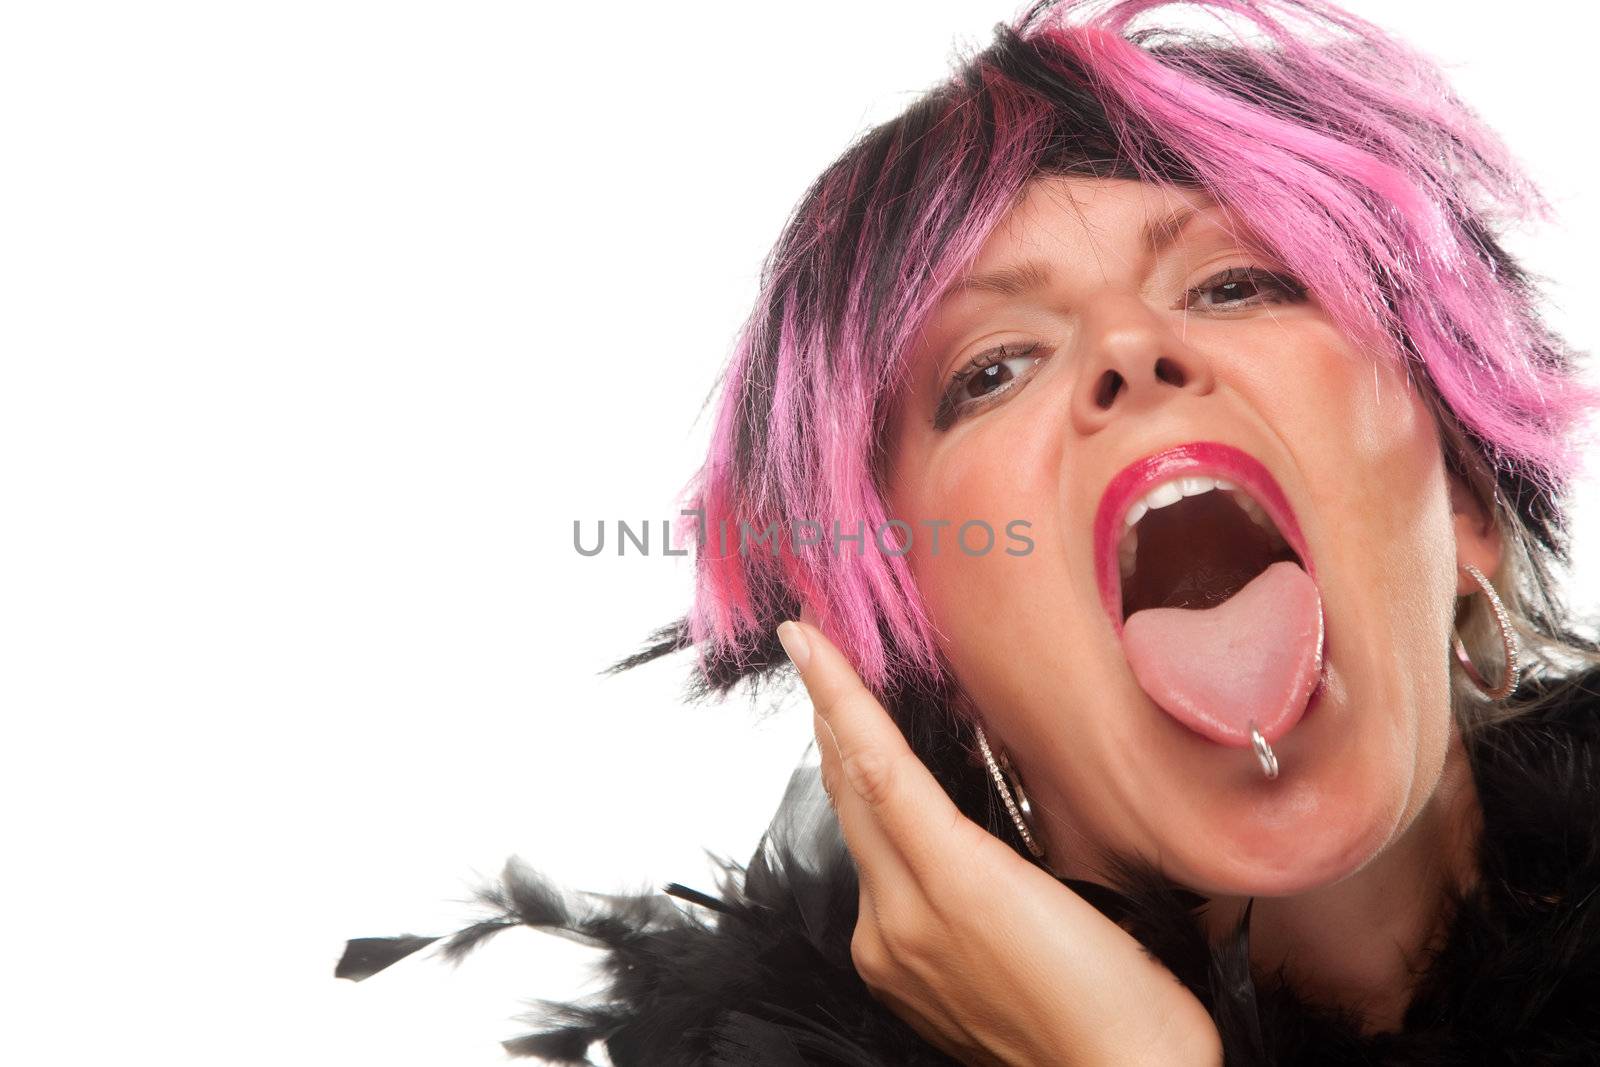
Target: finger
[[884, 794], [879, 866]]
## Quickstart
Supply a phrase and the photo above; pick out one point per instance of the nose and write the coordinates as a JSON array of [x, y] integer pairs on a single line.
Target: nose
[[1132, 362]]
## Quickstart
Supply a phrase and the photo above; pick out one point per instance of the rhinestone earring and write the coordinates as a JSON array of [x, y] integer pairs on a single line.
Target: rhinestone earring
[[1508, 641], [1021, 811]]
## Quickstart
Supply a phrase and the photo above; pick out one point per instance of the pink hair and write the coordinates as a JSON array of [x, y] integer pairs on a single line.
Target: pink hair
[[1338, 146]]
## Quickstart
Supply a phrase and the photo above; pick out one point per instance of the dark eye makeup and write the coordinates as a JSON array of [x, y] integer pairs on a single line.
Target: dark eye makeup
[[1246, 286], [985, 376], [1005, 368]]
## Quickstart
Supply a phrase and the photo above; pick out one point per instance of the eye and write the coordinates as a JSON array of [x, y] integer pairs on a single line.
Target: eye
[[985, 377], [1239, 287]]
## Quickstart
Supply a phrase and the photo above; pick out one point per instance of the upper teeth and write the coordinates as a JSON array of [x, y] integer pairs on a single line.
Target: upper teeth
[[1170, 492]]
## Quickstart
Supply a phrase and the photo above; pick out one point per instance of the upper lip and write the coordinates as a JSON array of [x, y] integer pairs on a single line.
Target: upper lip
[[1211, 458]]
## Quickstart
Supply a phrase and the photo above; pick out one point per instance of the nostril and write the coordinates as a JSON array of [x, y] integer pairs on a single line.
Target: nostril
[[1107, 388], [1169, 372]]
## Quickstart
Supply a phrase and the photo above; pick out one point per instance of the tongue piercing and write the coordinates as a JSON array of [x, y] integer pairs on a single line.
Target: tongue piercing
[[1269, 761]]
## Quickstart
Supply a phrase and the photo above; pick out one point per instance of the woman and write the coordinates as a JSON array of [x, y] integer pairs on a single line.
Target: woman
[[1235, 717]]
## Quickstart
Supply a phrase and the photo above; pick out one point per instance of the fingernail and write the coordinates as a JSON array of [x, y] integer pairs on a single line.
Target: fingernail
[[794, 643]]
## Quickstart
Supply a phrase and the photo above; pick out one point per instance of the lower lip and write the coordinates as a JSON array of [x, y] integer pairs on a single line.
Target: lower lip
[[1316, 694], [1322, 672]]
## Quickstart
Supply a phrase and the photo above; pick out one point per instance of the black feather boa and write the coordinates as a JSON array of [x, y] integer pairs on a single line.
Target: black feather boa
[[760, 972]]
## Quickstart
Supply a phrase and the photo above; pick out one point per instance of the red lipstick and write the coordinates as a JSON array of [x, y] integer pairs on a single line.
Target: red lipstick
[[1208, 458]]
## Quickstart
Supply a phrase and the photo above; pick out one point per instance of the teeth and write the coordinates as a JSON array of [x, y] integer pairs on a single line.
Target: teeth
[[1175, 490], [1128, 552], [1162, 495], [1168, 493], [1254, 510]]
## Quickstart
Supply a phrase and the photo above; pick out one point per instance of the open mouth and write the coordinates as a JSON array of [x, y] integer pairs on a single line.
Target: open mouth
[[1188, 527], [1193, 542], [1205, 576]]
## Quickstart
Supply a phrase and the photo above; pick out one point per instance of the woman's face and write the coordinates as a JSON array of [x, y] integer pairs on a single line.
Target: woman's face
[[1149, 329]]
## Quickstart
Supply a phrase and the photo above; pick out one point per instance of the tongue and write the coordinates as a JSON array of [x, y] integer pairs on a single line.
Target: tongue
[[1255, 656]]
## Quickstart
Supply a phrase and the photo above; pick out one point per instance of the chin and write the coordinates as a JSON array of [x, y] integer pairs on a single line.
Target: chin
[[1320, 822], [1346, 791], [1312, 836]]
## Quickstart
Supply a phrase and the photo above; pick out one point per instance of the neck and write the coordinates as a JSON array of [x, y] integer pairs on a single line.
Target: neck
[[1360, 943]]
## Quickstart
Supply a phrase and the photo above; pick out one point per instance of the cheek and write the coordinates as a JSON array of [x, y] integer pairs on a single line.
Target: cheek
[[996, 476], [1380, 530], [1005, 619], [1368, 449], [1367, 435]]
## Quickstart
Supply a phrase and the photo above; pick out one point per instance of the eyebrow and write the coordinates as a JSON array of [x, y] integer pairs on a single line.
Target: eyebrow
[[1155, 237]]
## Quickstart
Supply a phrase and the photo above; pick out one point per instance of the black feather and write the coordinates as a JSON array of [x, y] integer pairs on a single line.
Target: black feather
[[760, 973], [366, 956]]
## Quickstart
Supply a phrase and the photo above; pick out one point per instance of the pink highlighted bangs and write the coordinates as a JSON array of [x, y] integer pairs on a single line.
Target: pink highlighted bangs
[[1339, 147]]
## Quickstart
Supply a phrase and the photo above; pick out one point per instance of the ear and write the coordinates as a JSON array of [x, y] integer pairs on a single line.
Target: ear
[[1477, 535]]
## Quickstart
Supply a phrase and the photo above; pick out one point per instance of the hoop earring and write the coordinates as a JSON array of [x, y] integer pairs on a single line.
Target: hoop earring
[[1021, 811], [1508, 640]]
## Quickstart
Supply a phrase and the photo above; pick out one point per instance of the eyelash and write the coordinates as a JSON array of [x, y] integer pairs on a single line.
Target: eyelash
[[1288, 287], [950, 409]]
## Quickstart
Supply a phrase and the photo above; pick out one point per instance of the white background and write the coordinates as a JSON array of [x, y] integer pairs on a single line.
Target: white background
[[322, 322]]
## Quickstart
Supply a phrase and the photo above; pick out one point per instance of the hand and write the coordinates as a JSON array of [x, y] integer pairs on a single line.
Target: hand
[[985, 955]]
